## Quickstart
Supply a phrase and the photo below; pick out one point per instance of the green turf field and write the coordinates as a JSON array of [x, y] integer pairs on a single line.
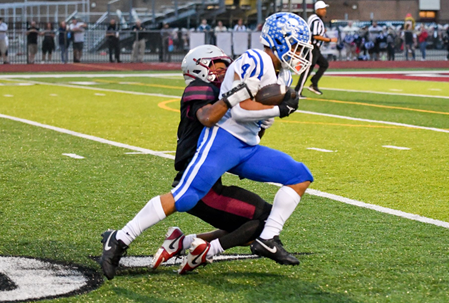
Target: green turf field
[[55, 207]]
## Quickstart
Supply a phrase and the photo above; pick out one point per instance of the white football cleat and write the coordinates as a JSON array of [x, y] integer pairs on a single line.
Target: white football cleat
[[197, 256], [171, 247]]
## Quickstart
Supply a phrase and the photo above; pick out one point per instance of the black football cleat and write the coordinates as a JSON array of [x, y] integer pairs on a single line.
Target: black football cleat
[[314, 89], [273, 249], [113, 250]]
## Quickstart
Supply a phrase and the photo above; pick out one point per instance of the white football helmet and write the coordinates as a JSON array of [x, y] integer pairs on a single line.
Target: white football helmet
[[197, 63]]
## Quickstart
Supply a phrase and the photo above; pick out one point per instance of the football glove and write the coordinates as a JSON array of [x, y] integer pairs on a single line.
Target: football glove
[[289, 104]]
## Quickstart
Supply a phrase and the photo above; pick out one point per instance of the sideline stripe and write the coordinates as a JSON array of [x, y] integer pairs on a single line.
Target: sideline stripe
[[377, 105], [375, 121], [312, 192]]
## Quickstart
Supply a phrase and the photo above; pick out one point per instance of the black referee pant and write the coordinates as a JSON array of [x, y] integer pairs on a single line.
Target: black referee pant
[[317, 58]]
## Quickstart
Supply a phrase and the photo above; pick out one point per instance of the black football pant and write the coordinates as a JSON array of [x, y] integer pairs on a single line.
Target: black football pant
[[236, 210], [114, 48], [317, 58]]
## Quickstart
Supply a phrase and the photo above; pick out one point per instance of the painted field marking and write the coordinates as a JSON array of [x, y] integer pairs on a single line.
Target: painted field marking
[[8, 96], [375, 121], [37, 279], [321, 150], [380, 106], [74, 156], [54, 95], [84, 83], [145, 261], [436, 89], [101, 95], [298, 111], [396, 90], [396, 147], [312, 192]]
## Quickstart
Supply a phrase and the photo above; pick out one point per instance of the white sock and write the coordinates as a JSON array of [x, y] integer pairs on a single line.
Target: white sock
[[187, 242], [284, 204], [215, 248], [149, 215]]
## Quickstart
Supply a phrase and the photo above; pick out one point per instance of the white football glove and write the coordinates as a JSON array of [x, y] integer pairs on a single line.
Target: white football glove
[[267, 123], [241, 91]]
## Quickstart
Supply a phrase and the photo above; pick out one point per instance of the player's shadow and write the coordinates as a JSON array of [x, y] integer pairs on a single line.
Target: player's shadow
[[270, 287], [253, 286]]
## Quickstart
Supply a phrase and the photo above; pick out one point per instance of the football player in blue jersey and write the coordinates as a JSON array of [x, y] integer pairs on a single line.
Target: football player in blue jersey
[[232, 145]]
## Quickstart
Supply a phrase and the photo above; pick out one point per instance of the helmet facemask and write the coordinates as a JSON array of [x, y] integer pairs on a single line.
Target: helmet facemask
[[206, 71], [298, 58]]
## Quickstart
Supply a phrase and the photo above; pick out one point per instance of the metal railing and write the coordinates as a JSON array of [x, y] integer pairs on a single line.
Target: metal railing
[[96, 46]]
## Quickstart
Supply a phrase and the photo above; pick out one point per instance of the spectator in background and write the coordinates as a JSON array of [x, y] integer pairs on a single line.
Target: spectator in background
[[48, 45], [446, 38], [4, 41], [239, 27], [350, 36], [204, 27], [374, 31], [139, 42], [259, 27], [63, 41], [409, 41], [391, 37], [32, 34], [167, 42], [77, 29], [422, 40], [220, 27], [112, 34]]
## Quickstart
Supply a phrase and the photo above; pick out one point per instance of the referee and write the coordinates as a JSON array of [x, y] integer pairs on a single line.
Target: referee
[[317, 29]]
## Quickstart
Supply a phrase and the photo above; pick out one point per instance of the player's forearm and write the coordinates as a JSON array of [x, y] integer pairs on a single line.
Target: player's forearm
[[210, 114], [248, 115], [321, 38]]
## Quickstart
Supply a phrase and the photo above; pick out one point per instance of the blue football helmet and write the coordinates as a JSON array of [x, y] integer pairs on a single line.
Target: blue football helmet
[[288, 36]]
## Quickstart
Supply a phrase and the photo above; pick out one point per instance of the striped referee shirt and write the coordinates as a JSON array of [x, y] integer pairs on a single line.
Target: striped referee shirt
[[316, 28]]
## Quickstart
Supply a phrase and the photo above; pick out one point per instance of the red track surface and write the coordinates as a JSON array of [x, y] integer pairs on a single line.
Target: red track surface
[[87, 67]]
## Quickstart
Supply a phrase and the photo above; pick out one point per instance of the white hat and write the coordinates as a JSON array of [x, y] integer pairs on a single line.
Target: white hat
[[320, 4]]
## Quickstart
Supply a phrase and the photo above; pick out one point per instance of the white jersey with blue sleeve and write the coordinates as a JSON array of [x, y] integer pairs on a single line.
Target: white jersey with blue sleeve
[[253, 63]]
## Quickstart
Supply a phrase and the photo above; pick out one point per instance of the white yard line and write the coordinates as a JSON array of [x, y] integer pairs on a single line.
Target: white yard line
[[309, 191], [74, 156], [396, 147], [321, 149]]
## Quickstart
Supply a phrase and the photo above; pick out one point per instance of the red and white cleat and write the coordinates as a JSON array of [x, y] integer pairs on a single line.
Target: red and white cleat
[[197, 256], [171, 247]]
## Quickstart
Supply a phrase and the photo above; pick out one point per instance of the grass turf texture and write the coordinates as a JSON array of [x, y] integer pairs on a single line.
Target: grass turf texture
[[358, 255]]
